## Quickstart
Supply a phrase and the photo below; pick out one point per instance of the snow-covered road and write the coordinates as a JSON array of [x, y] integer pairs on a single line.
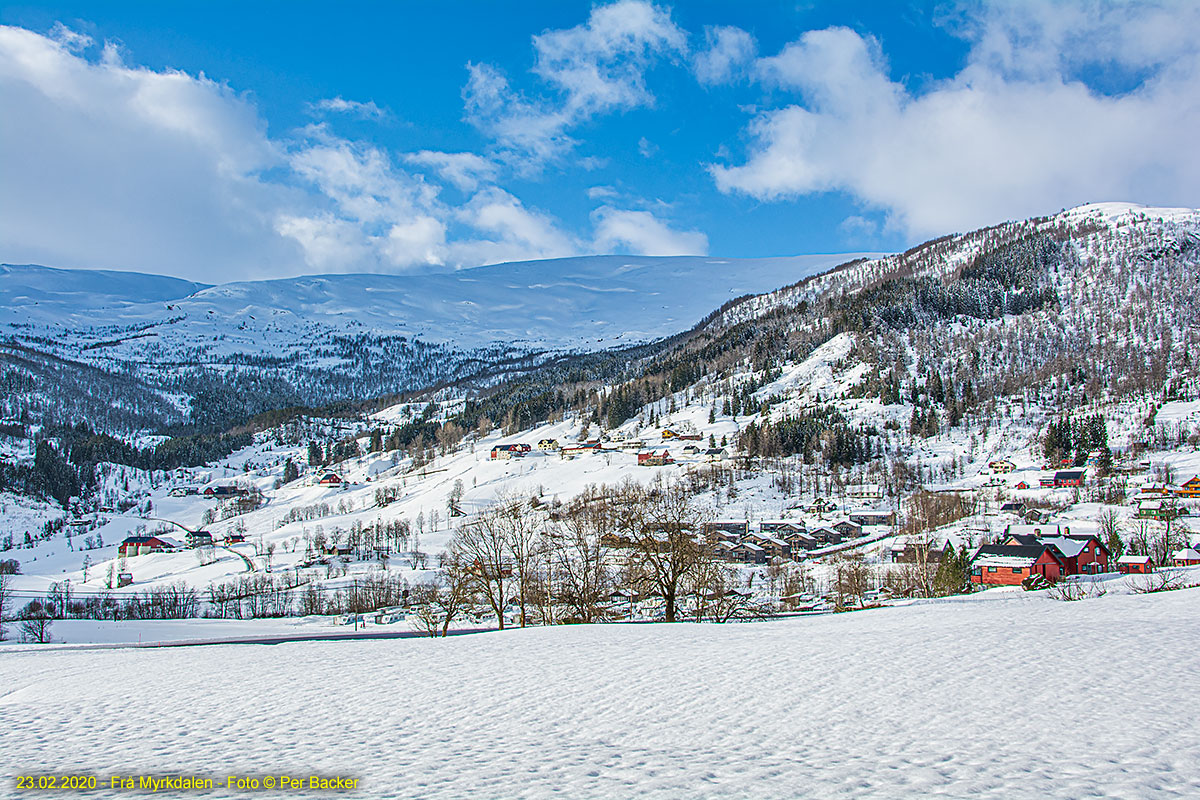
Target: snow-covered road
[[1024, 697]]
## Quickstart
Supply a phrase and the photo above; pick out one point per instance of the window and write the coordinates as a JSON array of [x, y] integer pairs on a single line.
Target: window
[[1017, 570], [991, 569]]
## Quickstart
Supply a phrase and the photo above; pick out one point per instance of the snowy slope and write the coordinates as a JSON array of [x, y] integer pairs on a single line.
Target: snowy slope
[[1027, 698]]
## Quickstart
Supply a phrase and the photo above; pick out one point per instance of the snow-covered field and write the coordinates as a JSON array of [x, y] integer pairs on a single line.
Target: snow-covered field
[[1026, 697]]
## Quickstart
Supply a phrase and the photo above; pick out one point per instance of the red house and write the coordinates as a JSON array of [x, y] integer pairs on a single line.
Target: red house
[[1135, 565], [330, 479], [1187, 557], [653, 459], [1010, 564], [1084, 555], [1069, 477]]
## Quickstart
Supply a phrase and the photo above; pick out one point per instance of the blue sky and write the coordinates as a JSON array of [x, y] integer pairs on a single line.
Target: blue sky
[[223, 140]]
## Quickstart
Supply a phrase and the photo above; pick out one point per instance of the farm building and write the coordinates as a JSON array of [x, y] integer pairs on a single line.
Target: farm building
[[225, 491], [140, 545], [579, 448], [1002, 467], [548, 444], [1135, 565], [330, 479]]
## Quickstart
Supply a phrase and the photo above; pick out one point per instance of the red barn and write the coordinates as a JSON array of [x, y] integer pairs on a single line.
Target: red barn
[[1008, 565], [136, 545], [330, 479]]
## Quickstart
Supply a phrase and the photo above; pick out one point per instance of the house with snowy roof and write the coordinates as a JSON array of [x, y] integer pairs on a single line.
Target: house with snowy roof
[[1187, 557], [139, 545], [748, 552], [1083, 554], [1135, 565], [1010, 564], [1161, 509], [871, 517], [799, 541]]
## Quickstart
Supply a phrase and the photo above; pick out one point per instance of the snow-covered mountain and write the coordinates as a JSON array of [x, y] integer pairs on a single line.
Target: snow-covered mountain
[[573, 303], [314, 339]]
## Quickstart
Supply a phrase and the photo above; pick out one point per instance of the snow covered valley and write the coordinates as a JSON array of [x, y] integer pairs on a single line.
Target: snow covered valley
[[1016, 697]]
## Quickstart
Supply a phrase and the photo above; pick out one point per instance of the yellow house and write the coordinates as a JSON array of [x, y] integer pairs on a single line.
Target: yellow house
[[1190, 488]]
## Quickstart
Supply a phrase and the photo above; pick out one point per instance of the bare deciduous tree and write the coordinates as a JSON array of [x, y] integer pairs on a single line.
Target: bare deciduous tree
[[666, 529], [35, 623], [482, 543]]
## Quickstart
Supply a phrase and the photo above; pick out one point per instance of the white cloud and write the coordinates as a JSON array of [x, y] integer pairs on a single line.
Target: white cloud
[[1017, 132], [419, 240], [464, 170], [857, 227], [601, 192], [601, 65], [126, 167], [328, 242], [516, 232], [597, 67], [74, 41], [729, 50], [641, 233], [118, 166], [354, 108], [527, 134], [647, 148]]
